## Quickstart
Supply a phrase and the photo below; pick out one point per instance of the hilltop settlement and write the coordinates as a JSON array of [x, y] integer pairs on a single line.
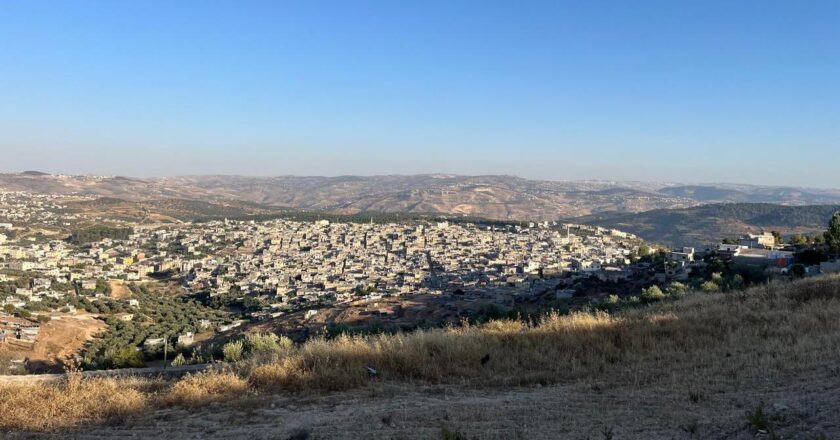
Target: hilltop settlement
[[187, 286]]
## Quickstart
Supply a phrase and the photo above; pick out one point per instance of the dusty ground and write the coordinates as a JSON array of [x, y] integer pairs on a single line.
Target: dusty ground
[[59, 339], [119, 290], [805, 407]]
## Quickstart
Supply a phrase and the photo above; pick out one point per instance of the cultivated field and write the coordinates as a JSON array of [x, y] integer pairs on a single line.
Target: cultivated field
[[734, 365]]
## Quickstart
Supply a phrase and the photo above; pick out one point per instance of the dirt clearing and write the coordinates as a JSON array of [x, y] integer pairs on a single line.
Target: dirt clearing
[[119, 290], [60, 338]]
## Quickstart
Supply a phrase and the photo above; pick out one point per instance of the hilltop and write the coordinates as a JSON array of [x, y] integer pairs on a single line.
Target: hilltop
[[703, 365]]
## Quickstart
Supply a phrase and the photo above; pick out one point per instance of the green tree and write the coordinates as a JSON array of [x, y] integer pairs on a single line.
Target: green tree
[[126, 357], [832, 235], [799, 239]]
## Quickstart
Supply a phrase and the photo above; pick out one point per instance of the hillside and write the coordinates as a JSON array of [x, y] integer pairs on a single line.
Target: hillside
[[170, 210], [494, 197], [706, 224], [723, 365]]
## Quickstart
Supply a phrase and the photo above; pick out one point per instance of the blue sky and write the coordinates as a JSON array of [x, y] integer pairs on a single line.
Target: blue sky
[[691, 91]]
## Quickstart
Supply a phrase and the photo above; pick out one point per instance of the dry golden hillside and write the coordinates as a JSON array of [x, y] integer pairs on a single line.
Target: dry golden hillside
[[763, 362]]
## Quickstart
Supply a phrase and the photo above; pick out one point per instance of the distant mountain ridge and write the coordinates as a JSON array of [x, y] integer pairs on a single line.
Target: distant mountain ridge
[[492, 196]]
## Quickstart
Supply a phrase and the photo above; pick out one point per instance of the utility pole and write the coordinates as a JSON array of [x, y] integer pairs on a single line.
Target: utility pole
[[165, 346]]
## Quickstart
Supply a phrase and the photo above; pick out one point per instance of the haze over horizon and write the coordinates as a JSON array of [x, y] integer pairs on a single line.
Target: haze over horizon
[[659, 91]]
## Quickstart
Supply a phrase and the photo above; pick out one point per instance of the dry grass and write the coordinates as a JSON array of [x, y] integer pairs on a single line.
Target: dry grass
[[75, 402], [714, 341], [203, 388], [768, 330]]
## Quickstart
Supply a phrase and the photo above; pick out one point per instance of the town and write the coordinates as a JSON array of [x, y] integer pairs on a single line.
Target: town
[[57, 263], [267, 269]]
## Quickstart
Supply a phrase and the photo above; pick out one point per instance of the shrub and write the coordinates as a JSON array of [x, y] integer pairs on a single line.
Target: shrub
[[710, 287], [758, 419], [737, 282], [126, 357], [206, 354], [653, 293], [234, 351], [179, 360], [266, 344], [676, 288]]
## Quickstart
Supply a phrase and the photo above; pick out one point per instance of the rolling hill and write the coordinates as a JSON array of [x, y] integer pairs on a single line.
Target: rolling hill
[[706, 224], [494, 197]]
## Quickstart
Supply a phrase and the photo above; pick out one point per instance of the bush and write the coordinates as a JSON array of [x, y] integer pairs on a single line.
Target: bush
[[266, 344], [179, 360], [234, 351], [653, 293], [737, 282], [676, 288], [758, 419], [710, 287], [126, 357]]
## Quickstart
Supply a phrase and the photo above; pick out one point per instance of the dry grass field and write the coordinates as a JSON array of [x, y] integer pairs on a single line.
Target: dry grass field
[[763, 362]]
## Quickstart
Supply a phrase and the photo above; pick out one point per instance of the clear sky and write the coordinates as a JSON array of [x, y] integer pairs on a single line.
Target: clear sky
[[691, 91]]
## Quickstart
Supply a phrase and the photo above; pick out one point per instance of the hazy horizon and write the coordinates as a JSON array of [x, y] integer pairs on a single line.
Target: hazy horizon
[[333, 176], [653, 91]]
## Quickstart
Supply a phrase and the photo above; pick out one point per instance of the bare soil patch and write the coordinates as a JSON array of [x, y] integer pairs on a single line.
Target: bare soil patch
[[119, 290], [60, 338]]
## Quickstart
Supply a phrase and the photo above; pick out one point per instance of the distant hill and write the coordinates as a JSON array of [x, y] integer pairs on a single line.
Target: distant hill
[[706, 224], [704, 193], [494, 197], [721, 193]]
